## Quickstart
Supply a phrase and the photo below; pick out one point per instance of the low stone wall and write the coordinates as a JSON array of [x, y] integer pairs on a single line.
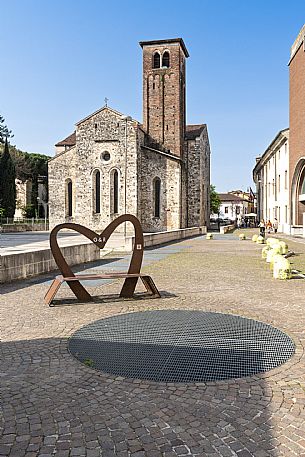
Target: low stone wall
[[11, 228], [153, 239], [32, 263], [26, 264], [227, 228]]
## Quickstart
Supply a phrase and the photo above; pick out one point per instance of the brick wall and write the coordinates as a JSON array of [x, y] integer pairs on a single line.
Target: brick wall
[[296, 118], [164, 98]]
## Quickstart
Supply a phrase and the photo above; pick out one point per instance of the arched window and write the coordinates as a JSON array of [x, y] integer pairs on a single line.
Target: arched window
[[114, 191], [157, 197], [302, 186], [97, 191], [165, 59], [156, 60], [69, 198]]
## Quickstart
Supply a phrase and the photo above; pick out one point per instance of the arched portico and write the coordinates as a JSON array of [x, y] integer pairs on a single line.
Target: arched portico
[[298, 193]]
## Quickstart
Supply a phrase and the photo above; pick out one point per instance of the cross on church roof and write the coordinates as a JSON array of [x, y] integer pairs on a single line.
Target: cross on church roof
[[106, 101]]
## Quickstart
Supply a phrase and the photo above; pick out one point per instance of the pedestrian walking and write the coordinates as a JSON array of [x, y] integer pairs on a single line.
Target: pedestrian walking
[[275, 225], [239, 221], [269, 226], [262, 228]]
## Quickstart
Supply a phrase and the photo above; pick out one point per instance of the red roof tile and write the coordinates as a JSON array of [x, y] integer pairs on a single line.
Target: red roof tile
[[69, 141]]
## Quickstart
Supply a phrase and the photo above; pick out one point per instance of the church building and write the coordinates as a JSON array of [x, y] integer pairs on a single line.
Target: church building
[[112, 164]]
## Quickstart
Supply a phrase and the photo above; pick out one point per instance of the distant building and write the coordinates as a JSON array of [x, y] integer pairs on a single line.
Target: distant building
[[271, 175], [159, 170], [232, 206], [249, 197], [279, 173], [24, 198]]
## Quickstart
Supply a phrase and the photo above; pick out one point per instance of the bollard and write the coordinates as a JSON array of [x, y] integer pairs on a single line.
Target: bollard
[[271, 241], [272, 252], [265, 252], [281, 268], [284, 247], [254, 238]]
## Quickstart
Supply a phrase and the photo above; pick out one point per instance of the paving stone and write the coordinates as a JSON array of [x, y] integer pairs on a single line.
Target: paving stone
[[54, 405], [93, 453]]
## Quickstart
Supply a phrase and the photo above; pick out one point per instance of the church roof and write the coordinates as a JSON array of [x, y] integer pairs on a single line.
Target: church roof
[[69, 141], [169, 41], [104, 108], [230, 198], [193, 131]]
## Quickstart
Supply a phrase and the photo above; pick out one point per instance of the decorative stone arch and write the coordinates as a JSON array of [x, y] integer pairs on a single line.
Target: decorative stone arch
[[166, 59], [157, 197], [156, 59], [69, 198], [298, 193], [114, 186], [96, 190]]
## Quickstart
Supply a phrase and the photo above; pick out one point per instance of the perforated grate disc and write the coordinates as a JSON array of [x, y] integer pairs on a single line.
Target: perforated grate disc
[[181, 346]]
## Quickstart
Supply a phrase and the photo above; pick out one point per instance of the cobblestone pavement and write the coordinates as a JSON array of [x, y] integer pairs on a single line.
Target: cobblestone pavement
[[52, 405]]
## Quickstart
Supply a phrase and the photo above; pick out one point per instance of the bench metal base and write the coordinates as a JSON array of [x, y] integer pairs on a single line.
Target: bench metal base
[[57, 282]]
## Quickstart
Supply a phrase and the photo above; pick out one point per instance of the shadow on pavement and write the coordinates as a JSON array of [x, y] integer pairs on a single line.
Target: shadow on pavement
[[65, 404]]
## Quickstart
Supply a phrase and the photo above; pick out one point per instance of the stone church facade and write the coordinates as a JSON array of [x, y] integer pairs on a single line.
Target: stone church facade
[[159, 170]]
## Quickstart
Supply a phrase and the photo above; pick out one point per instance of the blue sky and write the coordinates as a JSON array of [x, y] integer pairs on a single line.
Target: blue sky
[[60, 59]]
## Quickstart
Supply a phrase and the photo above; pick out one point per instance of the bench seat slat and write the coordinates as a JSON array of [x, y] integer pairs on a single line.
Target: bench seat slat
[[101, 276], [146, 279]]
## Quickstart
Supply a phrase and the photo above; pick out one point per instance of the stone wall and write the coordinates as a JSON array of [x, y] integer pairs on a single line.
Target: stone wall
[[97, 136], [60, 168], [197, 162], [154, 165], [32, 263], [185, 184], [26, 227], [205, 164]]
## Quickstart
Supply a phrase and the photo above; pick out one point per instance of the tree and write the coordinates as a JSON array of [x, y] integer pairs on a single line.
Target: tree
[[4, 131], [7, 182], [32, 167], [214, 200]]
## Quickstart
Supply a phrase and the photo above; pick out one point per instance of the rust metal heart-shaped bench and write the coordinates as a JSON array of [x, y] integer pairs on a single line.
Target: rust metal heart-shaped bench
[[131, 277]]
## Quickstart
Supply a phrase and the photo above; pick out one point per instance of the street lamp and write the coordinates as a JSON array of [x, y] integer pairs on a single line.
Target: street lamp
[[259, 181]]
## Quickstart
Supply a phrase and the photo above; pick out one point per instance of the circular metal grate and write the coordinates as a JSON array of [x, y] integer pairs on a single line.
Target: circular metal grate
[[181, 346]]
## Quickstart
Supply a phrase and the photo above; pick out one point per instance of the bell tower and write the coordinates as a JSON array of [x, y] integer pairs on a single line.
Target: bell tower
[[164, 94]]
